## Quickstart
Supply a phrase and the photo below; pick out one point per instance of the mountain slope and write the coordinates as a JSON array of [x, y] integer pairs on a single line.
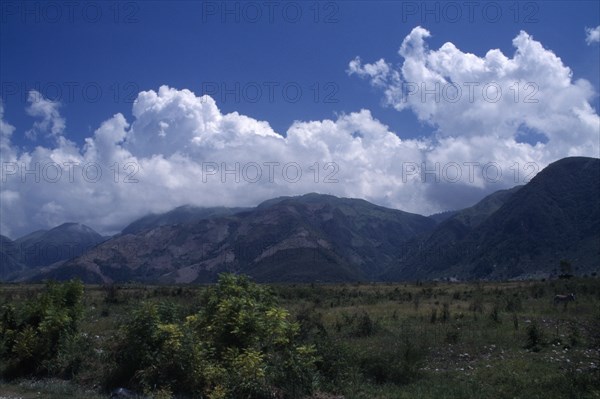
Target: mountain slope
[[42, 248], [517, 233], [179, 215], [30, 239], [424, 255], [555, 216], [10, 258], [309, 238]]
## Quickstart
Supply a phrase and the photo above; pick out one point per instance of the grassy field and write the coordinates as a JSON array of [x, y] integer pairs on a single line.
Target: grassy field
[[417, 340]]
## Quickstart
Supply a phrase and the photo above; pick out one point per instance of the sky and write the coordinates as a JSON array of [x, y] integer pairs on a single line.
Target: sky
[[110, 110]]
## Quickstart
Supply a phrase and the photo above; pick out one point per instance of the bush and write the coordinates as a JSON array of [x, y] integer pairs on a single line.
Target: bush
[[433, 317], [37, 338], [153, 349], [445, 312], [535, 337], [366, 326], [396, 361], [240, 344], [513, 304], [495, 314], [452, 336]]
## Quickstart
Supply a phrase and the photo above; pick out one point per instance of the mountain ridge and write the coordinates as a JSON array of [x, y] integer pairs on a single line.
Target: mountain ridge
[[341, 239], [513, 233], [555, 216]]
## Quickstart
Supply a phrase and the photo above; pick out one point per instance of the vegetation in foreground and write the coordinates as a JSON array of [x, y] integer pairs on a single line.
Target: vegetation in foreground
[[239, 339]]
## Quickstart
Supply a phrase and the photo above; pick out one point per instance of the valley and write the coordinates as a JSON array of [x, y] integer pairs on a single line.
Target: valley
[[386, 340]]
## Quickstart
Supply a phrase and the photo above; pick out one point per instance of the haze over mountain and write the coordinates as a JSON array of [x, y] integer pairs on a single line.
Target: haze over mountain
[[517, 233]]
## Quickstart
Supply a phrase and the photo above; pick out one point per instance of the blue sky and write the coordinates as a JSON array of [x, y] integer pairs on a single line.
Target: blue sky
[[194, 45], [90, 61]]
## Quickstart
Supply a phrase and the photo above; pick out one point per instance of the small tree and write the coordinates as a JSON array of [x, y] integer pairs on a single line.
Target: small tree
[[252, 339], [566, 269], [534, 337]]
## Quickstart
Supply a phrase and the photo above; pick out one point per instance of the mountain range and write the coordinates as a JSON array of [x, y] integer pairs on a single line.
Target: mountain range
[[45, 247], [523, 232]]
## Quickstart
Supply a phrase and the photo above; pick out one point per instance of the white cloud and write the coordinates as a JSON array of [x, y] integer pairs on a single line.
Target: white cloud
[[464, 95], [6, 131], [51, 122], [166, 157], [592, 35], [179, 148]]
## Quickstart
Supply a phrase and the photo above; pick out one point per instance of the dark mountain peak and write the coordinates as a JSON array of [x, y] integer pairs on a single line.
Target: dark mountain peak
[[273, 201], [555, 216], [44, 247], [572, 162], [309, 198], [322, 201], [72, 227], [72, 233], [568, 170], [314, 197]]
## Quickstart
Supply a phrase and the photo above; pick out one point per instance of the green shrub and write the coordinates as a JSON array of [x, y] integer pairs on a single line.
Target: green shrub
[[534, 337], [36, 338], [365, 327], [495, 314], [433, 317], [154, 349], [445, 312], [452, 336], [240, 344], [513, 304], [395, 361]]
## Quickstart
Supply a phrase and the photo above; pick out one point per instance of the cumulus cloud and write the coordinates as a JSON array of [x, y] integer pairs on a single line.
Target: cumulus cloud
[[462, 94], [6, 131], [471, 98], [592, 35], [51, 123], [180, 148]]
